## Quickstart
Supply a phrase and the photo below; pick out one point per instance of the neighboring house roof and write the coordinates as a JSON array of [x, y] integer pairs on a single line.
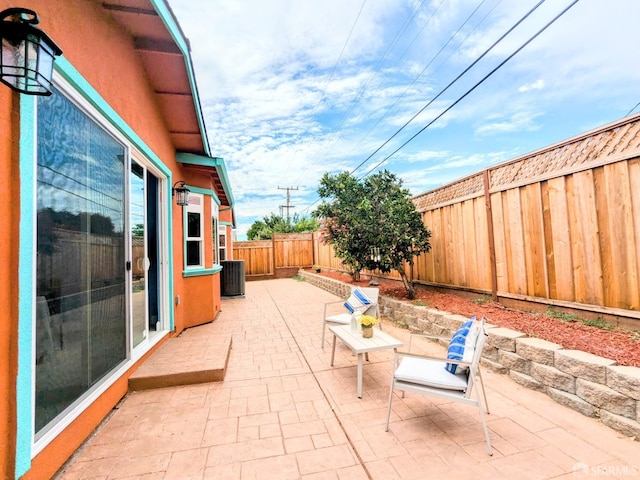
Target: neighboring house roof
[[165, 55]]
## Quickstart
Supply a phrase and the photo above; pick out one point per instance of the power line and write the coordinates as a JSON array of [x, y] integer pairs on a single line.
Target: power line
[[376, 70], [474, 63], [415, 79], [629, 112], [335, 65], [475, 86], [466, 93], [400, 32]]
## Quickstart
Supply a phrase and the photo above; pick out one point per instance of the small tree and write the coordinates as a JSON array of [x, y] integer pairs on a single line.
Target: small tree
[[372, 224]]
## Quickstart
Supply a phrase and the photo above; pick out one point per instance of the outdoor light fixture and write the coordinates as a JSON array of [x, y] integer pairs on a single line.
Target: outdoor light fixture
[[181, 193], [27, 53]]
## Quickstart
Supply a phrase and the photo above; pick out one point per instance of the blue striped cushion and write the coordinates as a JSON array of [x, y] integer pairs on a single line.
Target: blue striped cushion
[[461, 342], [358, 301]]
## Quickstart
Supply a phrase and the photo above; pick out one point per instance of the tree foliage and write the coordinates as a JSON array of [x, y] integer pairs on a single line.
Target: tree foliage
[[265, 228], [372, 224]]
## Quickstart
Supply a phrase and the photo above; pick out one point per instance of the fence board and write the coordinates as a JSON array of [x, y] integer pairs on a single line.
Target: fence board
[[482, 258], [634, 188], [534, 251], [470, 253], [499, 240], [621, 232], [561, 285], [586, 246], [514, 242]]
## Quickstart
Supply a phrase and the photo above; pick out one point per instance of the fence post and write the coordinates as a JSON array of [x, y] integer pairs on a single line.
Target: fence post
[[492, 245]]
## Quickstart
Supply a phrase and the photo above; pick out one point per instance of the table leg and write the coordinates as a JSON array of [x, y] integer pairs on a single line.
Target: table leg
[[359, 375], [333, 350]]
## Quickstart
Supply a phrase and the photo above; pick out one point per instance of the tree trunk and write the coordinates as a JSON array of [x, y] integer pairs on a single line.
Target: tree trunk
[[411, 292]]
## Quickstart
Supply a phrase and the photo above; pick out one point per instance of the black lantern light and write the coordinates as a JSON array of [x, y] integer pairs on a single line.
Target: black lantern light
[[181, 193], [27, 53]]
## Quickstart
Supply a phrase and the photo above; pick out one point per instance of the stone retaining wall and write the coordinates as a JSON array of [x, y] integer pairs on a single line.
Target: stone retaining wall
[[594, 386]]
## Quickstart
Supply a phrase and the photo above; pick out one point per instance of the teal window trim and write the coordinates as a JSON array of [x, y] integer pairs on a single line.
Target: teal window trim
[[25, 399], [227, 224], [198, 271], [202, 271]]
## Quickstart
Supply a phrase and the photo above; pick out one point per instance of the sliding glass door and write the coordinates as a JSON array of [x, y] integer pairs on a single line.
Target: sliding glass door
[[81, 321], [100, 250], [144, 252]]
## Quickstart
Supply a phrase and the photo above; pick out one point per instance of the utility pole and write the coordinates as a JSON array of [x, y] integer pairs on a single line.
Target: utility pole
[[288, 206]]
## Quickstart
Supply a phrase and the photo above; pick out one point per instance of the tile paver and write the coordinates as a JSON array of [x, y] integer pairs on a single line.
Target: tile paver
[[282, 412]]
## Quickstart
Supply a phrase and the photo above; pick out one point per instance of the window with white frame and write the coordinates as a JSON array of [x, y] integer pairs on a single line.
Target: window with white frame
[[194, 223], [214, 230], [222, 242]]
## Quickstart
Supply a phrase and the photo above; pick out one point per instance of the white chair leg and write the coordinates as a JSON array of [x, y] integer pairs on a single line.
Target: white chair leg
[[484, 428], [484, 394], [324, 327], [386, 428]]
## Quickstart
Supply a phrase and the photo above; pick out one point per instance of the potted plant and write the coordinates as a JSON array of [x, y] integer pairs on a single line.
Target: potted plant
[[367, 322]]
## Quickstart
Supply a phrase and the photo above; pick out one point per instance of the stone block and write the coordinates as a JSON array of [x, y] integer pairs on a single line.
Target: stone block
[[552, 377], [606, 398], [491, 353], [503, 338], [452, 322], [583, 365], [513, 361], [527, 381], [621, 424], [493, 366], [625, 380], [435, 315], [537, 350], [574, 402]]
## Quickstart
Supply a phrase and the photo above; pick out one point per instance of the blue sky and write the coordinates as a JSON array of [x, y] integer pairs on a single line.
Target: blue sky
[[291, 89]]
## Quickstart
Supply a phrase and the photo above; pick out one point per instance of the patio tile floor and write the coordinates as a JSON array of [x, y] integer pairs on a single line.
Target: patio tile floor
[[283, 413]]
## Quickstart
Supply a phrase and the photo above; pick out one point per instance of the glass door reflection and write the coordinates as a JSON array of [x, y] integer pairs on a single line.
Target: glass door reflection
[[139, 257]]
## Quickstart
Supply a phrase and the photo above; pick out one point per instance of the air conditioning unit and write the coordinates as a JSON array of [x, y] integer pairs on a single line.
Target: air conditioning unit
[[232, 278]]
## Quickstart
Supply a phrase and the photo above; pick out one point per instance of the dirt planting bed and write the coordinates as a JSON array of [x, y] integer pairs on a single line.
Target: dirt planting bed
[[616, 344]]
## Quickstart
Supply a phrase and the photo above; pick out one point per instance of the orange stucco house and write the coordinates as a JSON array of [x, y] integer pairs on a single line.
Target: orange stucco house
[[98, 264]]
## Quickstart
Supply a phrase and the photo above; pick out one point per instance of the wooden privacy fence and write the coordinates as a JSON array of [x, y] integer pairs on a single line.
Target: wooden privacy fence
[[561, 225], [280, 257]]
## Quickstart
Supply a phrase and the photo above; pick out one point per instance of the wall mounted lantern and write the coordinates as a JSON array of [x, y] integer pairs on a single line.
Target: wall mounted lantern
[[27, 53], [181, 193]]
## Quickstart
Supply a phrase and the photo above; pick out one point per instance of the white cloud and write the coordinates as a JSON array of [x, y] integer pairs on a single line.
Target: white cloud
[[537, 85], [515, 122]]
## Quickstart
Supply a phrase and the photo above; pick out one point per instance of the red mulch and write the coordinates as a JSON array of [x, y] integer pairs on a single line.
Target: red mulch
[[616, 344]]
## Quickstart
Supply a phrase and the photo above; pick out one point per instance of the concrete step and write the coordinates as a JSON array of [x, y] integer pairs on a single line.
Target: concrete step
[[198, 355]]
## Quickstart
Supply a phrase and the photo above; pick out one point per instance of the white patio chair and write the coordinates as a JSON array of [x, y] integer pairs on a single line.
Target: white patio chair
[[362, 300], [431, 376]]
